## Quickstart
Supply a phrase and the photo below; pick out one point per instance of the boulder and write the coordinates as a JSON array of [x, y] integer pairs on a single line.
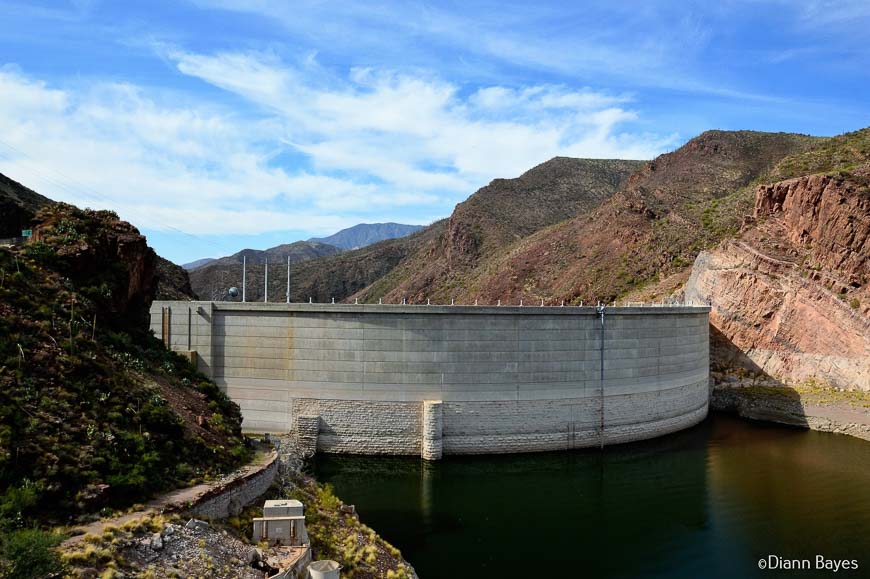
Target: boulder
[[196, 525], [156, 542]]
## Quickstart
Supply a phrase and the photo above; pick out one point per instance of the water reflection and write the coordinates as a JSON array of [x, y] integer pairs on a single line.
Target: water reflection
[[705, 502]]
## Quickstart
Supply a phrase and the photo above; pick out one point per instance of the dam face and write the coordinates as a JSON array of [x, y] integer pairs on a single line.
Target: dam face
[[434, 380]]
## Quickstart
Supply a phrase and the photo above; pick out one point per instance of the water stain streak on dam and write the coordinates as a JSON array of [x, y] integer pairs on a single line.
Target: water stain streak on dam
[[433, 380]]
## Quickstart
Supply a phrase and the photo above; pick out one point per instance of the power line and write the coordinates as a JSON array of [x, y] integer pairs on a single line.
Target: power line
[[79, 189]]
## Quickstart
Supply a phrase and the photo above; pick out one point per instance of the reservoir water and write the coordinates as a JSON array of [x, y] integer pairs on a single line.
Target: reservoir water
[[706, 502]]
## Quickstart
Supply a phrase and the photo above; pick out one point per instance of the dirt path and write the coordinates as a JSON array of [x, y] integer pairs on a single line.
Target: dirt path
[[177, 500]]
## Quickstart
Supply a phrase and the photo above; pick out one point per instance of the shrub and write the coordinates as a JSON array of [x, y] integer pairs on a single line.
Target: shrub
[[39, 251], [93, 407], [16, 502], [29, 553]]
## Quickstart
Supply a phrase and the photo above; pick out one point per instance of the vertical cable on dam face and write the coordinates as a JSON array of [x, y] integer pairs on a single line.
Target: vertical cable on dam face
[[439, 380]]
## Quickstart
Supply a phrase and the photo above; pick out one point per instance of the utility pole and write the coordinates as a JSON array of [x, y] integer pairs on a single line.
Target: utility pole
[[288, 279], [266, 282], [244, 272]]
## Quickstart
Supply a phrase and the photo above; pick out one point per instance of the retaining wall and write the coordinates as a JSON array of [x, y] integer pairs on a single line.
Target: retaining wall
[[228, 500], [431, 380]]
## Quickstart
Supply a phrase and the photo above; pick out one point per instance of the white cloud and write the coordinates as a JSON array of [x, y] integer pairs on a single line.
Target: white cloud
[[373, 144], [396, 127], [200, 170]]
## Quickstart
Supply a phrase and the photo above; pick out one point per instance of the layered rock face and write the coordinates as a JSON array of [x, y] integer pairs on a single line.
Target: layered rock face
[[789, 297], [828, 215]]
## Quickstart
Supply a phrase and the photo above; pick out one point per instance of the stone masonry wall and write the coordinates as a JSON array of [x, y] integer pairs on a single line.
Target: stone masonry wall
[[362, 427], [307, 433], [227, 501], [432, 429]]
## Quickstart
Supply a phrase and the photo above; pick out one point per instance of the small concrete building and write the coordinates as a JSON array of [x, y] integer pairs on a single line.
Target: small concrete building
[[282, 523]]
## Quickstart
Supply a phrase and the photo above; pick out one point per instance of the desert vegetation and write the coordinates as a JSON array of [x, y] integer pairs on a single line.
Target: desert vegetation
[[95, 414]]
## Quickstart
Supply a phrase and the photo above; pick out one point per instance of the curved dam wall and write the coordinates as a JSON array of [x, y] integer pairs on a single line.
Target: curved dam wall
[[434, 380]]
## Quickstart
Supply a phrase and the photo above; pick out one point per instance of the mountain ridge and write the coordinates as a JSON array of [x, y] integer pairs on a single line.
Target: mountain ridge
[[191, 265], [364, 234], [495, 214], [212, 280]]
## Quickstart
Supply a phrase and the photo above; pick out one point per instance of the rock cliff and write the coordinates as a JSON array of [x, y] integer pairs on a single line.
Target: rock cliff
[[98, 249], [789, 295]]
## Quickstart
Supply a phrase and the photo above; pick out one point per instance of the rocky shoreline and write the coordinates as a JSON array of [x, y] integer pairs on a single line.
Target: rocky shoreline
[[807, 405], [168, 545]]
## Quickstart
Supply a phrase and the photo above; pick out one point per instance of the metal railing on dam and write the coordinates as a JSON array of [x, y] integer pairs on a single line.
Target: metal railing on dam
[[448, 379]]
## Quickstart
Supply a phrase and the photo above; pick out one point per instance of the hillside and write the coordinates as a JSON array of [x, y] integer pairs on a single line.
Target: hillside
[[17, 206], [433, 261], [365, 234], [651, 229], [789, 294], [173, 282], [212, 280], [197, 263], [94, 412]]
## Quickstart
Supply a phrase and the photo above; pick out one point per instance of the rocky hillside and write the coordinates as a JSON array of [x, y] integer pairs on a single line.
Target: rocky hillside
[[650, 230], [442, 257], [212, 280], [191, 265], [94, 412], [18, 204], [365, 234], [790, 294], [173, 282]]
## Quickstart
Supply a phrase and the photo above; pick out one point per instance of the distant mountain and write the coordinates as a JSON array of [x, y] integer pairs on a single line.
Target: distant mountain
[[296, 251], [355, 237], [366, 234], [198, 263], [443, 254], [212, 280], [342, 275]]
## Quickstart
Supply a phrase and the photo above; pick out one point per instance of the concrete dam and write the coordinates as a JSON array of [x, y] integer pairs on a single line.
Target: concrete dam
[[433, 380]]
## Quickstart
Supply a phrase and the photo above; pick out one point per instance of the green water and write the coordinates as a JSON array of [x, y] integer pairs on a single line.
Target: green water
[[706, 502]]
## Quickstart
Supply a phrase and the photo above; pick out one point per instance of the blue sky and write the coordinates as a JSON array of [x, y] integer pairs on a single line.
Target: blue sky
[[220, 124]]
